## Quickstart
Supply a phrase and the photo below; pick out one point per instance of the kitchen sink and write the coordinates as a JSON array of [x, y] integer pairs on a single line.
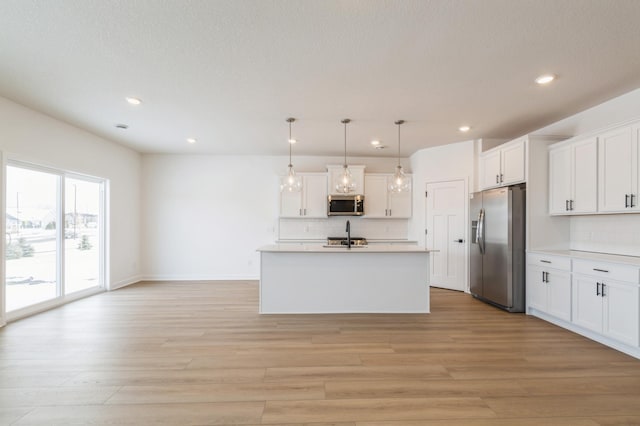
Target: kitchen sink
[[342, 246]]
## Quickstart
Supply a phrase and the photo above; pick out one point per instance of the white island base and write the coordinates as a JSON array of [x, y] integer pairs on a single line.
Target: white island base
[[318, 280]]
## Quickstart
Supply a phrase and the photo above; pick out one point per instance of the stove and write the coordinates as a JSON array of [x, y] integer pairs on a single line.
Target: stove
[[341, 241]]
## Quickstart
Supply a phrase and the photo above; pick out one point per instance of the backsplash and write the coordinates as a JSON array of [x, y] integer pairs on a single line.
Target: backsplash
[[320, 229], [615, 234]]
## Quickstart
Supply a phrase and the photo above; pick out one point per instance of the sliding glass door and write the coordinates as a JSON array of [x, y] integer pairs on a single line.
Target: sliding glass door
[[32, 273], [54, 235], [82, 234]]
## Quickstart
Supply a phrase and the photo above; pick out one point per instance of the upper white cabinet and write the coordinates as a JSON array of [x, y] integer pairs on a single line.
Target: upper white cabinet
[[573, 177], [503, 165], [310, 202], [357, 174], [380, 203], [618, 169]]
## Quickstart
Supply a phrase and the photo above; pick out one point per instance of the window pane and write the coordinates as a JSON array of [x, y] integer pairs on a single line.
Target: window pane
[[82, 235], [31, 238]]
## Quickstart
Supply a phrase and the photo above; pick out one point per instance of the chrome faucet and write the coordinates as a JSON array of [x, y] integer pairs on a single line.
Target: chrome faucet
[[348, 234]]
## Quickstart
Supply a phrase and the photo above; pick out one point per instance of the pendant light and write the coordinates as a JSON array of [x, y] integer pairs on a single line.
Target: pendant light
[[292, 182], [399, 181], [345, 183]]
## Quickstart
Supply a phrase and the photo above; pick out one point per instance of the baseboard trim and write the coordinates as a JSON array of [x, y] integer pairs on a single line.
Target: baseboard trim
[[619, 346], [199, 278], [123, 283]]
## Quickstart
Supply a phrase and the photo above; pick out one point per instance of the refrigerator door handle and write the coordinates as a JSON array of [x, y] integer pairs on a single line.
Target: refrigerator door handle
[[480, 231]]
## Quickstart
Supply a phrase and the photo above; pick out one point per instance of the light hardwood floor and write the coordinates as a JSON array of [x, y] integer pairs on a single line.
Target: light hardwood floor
[[197, 353]]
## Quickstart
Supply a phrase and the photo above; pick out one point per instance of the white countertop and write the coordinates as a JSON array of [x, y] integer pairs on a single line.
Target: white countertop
[[587, 255], [323, 241], [319, 248]]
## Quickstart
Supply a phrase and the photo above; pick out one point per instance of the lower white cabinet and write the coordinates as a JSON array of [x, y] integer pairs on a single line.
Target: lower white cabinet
[[607, 307], [549, 289], [598, 299]]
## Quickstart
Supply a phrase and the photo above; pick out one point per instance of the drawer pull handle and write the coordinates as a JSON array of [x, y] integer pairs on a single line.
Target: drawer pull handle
[[545, 261], [600, 270]]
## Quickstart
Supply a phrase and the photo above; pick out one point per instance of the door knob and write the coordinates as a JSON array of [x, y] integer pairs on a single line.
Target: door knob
[[458, 241]]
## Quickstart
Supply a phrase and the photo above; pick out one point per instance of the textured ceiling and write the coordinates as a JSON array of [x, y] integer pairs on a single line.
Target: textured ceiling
[[229, 72]]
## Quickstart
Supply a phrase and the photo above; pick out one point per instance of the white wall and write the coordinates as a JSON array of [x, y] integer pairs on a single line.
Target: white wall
[[204, 216], [33, 137], [617, 234], [617, 110], [441, 163]]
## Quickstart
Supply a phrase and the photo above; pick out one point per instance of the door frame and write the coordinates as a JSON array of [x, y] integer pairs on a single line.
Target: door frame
[[465, 216], [17, 161]]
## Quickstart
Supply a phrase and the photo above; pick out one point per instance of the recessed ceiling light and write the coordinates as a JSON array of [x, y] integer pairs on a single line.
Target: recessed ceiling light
[[545, 79], [191, 140], [122, 126], [134, 101], [292, 141], [375, 143], [464, 128]]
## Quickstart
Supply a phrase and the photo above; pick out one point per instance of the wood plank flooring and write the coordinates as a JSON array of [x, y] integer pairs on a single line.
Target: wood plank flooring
[[197, 353]]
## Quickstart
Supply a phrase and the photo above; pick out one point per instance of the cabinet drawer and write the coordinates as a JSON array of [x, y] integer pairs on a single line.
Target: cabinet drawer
[[613, 271], [555, 262]]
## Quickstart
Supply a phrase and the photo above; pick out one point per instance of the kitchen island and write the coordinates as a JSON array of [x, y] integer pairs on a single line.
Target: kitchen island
[[315, 279]]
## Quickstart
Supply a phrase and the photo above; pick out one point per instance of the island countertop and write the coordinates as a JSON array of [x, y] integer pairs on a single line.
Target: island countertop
[[313, 279], [318, 248]]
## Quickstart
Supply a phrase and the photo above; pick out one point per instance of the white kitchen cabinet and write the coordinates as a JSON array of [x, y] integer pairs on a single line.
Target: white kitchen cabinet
[[573, 178], [548, 288], [618, 170], [503, 165], [607, 306], [380, 203], [334, 172], [490, 169], [310, 202]]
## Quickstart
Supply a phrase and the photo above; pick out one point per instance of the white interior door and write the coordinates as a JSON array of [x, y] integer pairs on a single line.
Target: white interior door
[[445, 225]]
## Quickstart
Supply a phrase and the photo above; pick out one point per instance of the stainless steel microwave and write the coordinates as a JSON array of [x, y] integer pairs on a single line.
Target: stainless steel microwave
[[345, 205]]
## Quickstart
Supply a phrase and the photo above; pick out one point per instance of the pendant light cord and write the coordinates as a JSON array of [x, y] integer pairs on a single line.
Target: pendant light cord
[[345, 143], [290, 143], [290, 120], [345, 122], [399, 123]]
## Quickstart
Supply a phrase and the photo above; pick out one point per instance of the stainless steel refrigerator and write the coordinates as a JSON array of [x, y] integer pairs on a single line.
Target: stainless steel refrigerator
[[497, 247]]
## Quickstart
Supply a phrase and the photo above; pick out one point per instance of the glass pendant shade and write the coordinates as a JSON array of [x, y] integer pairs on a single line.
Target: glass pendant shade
[[399, 181], [345, 183], [291, 182]]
